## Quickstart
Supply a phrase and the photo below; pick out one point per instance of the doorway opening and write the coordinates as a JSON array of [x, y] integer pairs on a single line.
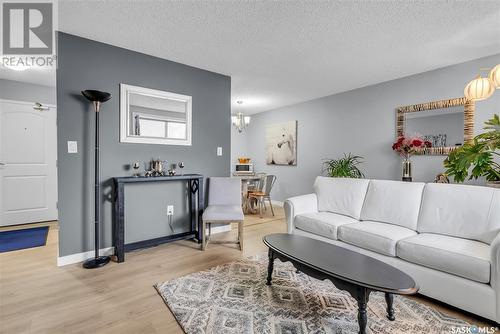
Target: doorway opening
[[28, 159]]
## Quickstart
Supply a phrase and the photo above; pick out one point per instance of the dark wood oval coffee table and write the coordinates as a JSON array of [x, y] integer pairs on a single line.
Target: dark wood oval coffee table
[[348, 270]]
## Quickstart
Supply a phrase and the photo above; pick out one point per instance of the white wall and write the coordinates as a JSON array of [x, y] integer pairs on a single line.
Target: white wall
[[239, 146], [22, 91], [362, 121]]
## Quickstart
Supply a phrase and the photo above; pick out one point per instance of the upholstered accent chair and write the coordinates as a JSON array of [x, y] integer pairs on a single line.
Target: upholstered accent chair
[[224, 206]]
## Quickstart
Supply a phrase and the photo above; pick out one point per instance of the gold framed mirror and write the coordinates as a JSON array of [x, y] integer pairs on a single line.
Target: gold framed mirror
[[447, 124]]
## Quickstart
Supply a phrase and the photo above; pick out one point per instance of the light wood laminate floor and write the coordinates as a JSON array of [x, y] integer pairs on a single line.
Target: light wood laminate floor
[[36, 296]]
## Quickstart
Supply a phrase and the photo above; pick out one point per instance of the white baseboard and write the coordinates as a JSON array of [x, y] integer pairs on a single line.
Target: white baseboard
[[277, 203], [80, 257]]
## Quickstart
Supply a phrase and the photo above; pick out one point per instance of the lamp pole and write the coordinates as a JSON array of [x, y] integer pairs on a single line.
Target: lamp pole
[[97, 98]]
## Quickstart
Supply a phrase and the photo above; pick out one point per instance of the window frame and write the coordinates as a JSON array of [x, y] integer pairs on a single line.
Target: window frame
[[151, 117], [125, 120]]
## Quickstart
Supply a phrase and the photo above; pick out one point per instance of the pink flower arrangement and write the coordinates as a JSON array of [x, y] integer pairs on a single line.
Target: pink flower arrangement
[[406, 146]]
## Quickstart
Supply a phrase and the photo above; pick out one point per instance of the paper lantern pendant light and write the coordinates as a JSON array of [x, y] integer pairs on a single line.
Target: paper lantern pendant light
[[494, 76], [479, 89]]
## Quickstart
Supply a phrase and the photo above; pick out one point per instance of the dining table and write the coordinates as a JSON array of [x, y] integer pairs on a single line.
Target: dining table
[[247, 180]]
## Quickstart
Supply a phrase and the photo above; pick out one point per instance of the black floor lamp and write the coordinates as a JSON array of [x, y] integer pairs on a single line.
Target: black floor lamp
[[96, 97]]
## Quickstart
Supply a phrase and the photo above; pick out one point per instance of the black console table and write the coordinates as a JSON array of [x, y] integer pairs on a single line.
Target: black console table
[[196, 206]]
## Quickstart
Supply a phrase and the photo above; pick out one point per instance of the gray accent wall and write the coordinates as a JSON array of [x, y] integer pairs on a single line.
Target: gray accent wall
[[23, 91], [362, 121], [86, 64]]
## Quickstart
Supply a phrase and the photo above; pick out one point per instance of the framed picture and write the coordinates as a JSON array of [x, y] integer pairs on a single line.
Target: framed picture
[[281, 143]]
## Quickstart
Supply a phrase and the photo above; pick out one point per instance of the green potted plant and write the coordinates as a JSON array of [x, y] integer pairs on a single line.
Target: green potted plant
[[477, 158], [347, 166]]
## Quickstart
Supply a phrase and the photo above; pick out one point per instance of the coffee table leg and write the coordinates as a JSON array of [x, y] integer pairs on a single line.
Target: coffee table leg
[[270, 267], [390, 310], [362, 296], [362, 317]]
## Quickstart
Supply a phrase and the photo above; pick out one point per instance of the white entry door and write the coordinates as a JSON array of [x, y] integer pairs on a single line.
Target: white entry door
[[28, 151]]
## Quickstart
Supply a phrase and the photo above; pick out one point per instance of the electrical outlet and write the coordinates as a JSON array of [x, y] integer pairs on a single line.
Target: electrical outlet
[[170, 210], [72, 146], [219, 151]]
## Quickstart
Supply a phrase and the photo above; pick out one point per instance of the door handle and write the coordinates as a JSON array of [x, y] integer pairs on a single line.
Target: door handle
[[2, 164], [39, 107]]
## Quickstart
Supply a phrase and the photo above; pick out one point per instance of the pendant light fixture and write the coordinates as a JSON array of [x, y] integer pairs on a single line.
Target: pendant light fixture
[[479, 89], [494, 76], [239, 120]]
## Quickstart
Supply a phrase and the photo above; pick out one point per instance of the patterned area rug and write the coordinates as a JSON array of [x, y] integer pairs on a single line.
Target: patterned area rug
[[233, 298]]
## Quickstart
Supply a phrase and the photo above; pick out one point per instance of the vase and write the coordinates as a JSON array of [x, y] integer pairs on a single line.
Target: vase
[[406, 170]]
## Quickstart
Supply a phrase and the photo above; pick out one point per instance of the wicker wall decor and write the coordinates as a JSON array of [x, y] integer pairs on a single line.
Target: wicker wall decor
[[437, 106]]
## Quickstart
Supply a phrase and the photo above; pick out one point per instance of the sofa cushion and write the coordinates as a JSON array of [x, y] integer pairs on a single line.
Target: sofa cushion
[[223, 213], [324, 224], [463, 211], [344, 196], [374, 236], [393, 202], [465, 258]]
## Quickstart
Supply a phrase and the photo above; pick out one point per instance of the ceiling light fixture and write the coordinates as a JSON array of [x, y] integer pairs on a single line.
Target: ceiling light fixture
[[479, 89], [239, 120], [494, 76]]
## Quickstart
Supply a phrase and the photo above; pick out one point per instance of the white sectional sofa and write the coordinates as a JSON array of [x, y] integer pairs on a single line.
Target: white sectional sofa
[[446, 236]]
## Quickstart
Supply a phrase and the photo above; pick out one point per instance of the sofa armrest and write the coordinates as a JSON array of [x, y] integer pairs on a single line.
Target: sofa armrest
[[495, 263], [495, 272], [297, 205]]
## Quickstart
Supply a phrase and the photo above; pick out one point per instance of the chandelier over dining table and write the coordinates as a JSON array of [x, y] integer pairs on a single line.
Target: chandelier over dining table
[[239, 120]]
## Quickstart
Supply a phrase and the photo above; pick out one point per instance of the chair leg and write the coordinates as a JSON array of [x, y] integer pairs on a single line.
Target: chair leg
[[246, 204], [203, 236], [271, 205], [240, 234], [261, 203]]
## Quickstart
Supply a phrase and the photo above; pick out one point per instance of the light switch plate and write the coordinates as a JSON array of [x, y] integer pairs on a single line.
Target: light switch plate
[[72, 146], [219, 151]]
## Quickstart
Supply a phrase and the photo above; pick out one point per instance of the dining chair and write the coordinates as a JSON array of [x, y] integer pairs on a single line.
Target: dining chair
[[224, 206], [265, 194], [258, 183]]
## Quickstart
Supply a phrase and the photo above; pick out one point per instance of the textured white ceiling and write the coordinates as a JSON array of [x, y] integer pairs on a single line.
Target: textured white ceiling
[[283, 52]]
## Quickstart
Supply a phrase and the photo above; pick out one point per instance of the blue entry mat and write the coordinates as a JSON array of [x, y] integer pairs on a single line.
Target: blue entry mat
[[21, 239]]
